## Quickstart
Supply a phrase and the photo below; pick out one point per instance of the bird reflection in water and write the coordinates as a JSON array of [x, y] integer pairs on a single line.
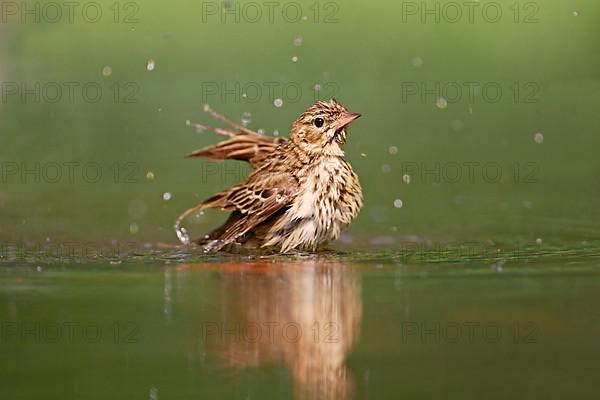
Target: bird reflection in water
[[306, 316]]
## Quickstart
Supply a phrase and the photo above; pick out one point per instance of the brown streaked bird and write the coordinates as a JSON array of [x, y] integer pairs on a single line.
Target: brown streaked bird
[[301, 193]]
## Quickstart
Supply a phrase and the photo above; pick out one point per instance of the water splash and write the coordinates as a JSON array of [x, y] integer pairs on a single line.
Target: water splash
[[212, 245], [181, 233]]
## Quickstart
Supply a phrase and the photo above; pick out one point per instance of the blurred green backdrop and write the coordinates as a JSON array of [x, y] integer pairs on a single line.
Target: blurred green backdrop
[[395, 62]]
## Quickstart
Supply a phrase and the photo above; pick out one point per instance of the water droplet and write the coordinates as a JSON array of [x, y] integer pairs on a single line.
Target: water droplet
[[181, 233], [151, 65], [538, 138], [385, 168], [188, 122], [317, 87], [150, 176], [278, 103], [393, 150], [206, 108], [295, 59], [398, 203], [538, 241], [276, 132], [260, 131], [246, 118], [107, 71], [298, 41], [167, 196], [244, 95], [576, 13], [363, 154], [153, 393], [441, 103], [38, 268], [305, 18], [133, 228], [417, 62], [406, 178]]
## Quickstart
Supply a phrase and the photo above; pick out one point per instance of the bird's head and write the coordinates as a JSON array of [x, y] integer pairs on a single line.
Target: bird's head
[[322, 128]]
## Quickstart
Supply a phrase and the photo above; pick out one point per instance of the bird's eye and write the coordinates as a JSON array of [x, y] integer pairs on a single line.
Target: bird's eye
[[319, 122]]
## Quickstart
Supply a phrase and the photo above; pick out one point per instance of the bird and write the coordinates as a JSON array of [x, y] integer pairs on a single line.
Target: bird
[[300, 193]]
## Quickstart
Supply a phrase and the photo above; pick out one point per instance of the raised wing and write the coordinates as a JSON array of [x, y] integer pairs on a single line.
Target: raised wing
[[243, 143]]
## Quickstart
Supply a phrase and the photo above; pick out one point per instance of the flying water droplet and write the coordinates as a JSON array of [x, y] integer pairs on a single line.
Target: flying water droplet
[[133, 228], [246, 118], [406, 178], [167, 196], [151, 65], [181, 233], [107, 71], [276, 132], [398, 203], [576, 13], [298, 41], [441, 103], [295, 59], [393, 150], [149, 176], [538, 138], [278, 103]]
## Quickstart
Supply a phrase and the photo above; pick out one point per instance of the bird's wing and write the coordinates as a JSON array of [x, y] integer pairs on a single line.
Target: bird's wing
[[256, 199], [250, 147], [243, 143]]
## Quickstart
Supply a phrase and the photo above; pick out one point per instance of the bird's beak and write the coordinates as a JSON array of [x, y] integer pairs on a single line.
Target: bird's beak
[[346, 119]]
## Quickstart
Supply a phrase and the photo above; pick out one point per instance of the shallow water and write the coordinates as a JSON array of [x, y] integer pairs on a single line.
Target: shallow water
[[310, 327]]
